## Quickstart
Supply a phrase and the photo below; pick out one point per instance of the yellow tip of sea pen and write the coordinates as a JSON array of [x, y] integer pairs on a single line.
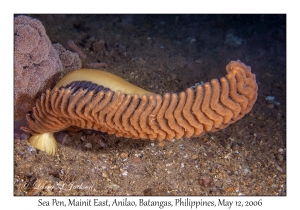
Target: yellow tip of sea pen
[[44, 142]]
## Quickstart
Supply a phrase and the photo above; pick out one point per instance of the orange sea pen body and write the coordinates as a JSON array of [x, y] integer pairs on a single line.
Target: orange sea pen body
[[99, 100]]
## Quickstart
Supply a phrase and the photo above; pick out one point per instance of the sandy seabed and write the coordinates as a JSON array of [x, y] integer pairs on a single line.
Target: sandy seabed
[[168, 53]]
